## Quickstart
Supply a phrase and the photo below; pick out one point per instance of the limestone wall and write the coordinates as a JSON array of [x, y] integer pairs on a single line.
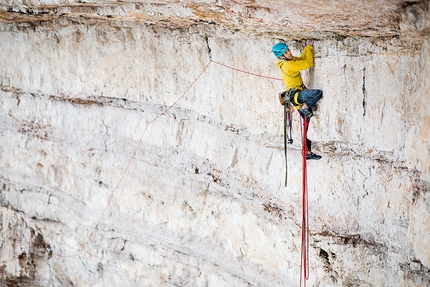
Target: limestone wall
[[92, 174]]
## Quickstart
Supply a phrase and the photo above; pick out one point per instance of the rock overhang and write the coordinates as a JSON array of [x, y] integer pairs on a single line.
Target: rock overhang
[[291, 19]]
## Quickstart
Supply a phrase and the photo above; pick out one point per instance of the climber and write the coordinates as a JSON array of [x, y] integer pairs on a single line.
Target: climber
[[296, 94]]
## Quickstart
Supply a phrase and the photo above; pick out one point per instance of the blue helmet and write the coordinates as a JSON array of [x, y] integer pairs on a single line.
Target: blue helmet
[[279, 49]]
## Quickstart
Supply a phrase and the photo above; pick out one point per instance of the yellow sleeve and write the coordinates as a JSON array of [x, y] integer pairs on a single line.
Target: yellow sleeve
[[305, 61]]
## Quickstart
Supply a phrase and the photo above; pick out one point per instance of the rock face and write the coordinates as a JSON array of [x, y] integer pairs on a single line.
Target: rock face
[[129, 158]]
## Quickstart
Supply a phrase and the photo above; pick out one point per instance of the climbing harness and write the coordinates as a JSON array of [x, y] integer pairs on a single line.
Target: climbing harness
[[291, 95], [285, 98], [294, 98]]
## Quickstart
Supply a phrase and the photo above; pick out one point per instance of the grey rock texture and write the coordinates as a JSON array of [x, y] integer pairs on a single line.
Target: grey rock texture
[[128, 158]]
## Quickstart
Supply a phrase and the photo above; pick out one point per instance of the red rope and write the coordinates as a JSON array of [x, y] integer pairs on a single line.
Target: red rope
[[133, 156], [249, 73], [152, 121], [138, 145], [140, 142], [304, 265]]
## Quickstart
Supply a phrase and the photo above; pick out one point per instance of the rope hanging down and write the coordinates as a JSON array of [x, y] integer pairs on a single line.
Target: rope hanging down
[[304, 265], [288, 139]]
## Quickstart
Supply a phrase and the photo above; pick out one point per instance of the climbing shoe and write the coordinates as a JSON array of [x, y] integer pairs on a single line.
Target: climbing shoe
[[306, 112], [312, 156]]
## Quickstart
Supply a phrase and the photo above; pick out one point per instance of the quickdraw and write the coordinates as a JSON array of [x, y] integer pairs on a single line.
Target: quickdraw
[[209, 49], [363, 88], [288, 119]]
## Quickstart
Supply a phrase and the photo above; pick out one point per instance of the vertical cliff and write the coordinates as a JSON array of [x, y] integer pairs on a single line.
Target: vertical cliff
[[129, 158]]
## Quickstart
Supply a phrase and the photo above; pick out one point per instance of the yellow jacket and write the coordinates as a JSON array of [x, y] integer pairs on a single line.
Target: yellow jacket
[[290, 69]]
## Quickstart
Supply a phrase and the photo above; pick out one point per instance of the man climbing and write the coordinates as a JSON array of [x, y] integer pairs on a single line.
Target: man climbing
[[296, 94]]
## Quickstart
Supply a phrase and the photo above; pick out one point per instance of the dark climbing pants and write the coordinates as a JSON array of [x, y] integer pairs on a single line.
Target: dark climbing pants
[[310, 98]]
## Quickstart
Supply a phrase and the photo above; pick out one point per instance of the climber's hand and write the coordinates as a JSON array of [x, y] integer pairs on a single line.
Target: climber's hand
[[310, 43]]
